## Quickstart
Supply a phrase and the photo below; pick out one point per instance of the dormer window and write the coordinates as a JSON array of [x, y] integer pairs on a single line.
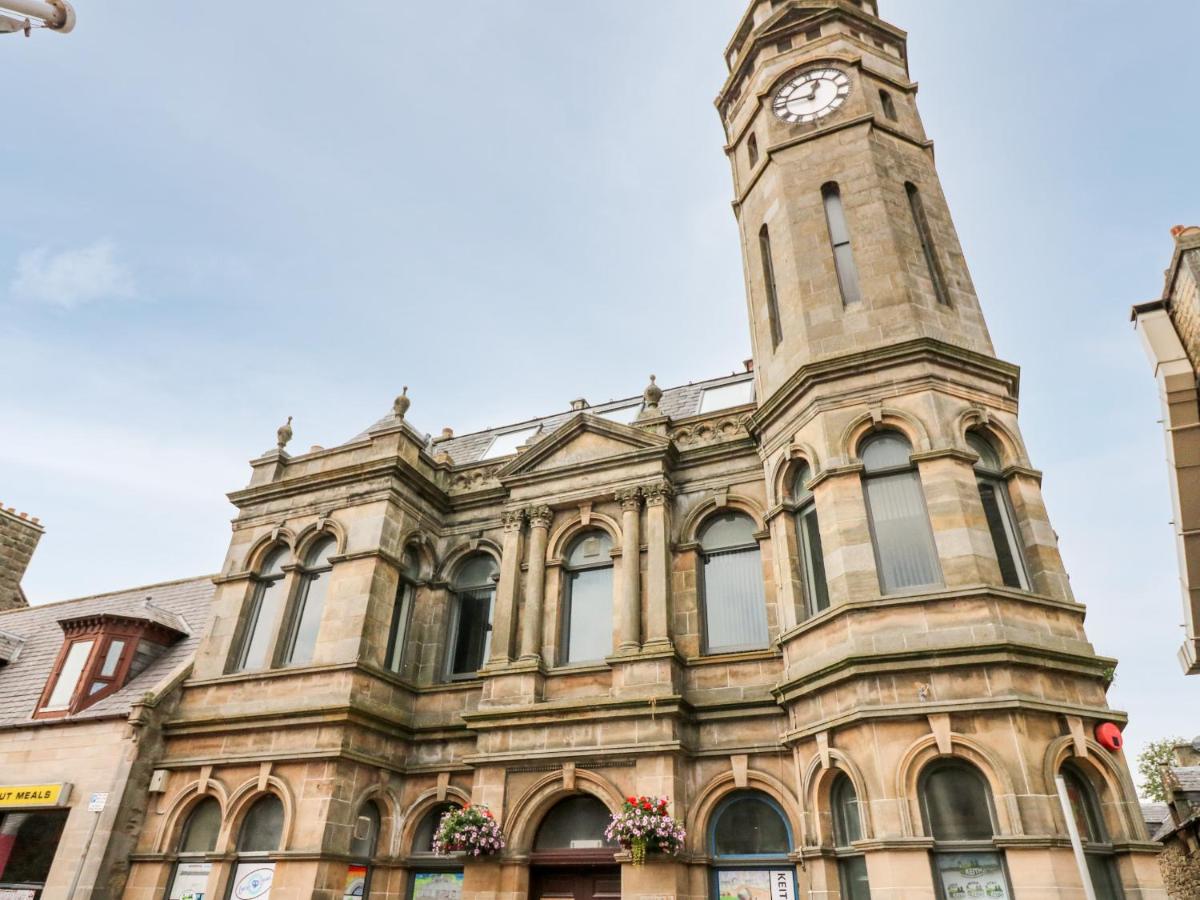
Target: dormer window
[[99, 656]]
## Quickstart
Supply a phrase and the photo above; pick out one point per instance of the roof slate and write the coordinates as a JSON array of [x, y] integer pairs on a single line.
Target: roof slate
[[1187, 777], [185, 604]]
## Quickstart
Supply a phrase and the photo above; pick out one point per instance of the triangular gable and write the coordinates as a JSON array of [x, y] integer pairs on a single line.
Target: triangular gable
[[584, 438]]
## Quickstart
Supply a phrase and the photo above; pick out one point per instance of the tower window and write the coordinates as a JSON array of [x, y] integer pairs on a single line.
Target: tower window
[[734, 603], [402, 609], [889, 107], [752, 150], [847, 828], [587, 627], [305, 621], [768, 265], [993, 494], [264, 606], [926, 236], [839, 237], [784, 45], [471, 616], [812, 558]]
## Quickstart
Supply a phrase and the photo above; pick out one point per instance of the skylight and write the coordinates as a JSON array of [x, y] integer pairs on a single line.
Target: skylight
[[726, 395], [624, 414], [507, 443]]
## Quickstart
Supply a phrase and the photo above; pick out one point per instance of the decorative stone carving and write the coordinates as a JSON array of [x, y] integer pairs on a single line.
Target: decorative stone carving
[[540, 516], [650, 397], [401, 404], [283, 434], [513, 519], [629, 498], [657, 493], [710, 432]]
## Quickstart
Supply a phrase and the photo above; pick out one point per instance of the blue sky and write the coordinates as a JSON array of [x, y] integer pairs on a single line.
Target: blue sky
[[211, 222]]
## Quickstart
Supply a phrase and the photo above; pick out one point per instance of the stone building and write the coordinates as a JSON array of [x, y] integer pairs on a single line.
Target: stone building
[[1179, 831], [818, 605], [1170, 331], [19, 536]]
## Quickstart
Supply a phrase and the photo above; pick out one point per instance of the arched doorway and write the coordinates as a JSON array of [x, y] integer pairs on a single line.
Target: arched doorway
[[571, 858]]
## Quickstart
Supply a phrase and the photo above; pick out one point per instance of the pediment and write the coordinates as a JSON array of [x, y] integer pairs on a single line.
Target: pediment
[[586, 439]]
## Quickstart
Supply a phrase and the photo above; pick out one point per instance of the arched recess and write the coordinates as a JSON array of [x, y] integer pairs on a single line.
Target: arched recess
[[924, 751], [389, 808], [785, 471], [521, 824], [422, 545], [560, 539], [883, 420], [818, 781], [260, 548], [181, 806], [973, 418], [240, 802], [315, 532], [1112, 785], [452, 559], [416, 811], [720, 787], [694, 521]]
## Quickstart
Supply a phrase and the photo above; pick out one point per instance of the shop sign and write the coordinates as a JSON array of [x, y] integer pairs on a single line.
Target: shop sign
[[967, 876], [190, 882], [756, 884], [19, 796], [17, 894], [437, 886], [252, 881]]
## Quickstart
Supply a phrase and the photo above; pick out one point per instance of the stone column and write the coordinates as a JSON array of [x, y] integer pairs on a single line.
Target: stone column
[[535, 583], [658, 563], [505, 619], [630, 608]]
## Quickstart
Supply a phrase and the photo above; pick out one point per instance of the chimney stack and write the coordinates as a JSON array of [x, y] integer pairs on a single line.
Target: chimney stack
[[19, 536]]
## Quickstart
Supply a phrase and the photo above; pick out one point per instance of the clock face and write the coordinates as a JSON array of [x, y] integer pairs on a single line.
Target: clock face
[[812, 95]]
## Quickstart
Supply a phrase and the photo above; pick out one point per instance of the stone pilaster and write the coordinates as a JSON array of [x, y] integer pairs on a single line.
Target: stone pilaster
[[504, 623], [535, 583], [658, 564], [629, 613]]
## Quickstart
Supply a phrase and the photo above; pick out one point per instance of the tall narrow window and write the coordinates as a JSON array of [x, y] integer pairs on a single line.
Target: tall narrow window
[[847, 828], [839, 237], [264, 609], [993, 493], [889, 106], [808, 531], [904, 548], [1093, 834], [471, 623], [198, 838], [402, 611], [927, 245], [310, 604], [587, 619], [260, 834], [68, 677], [752, 151], [956, 806], [433, 875], [734, 603], [364, 844], [768, 268]]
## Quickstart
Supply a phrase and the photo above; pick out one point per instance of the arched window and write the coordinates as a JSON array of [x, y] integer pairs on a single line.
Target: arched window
[[402, 610], [428, 826], [734, 604], [265, 605], [364, 845], [197, 838], [847, 828], [997, 509], [433, 876], [839, 238], [889, 106], [310, 604], [261, 833], [769, 285], [808, 532], [587, 617], [471, 615], [752, 150], [749, 840], [1089, 819], [904, 548], [927, 246], [956, 807], [576, 823]]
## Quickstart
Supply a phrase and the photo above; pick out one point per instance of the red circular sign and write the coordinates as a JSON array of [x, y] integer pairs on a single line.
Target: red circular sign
[[1109, 736]]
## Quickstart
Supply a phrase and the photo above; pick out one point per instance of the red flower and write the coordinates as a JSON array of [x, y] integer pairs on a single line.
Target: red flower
[[631, 801]]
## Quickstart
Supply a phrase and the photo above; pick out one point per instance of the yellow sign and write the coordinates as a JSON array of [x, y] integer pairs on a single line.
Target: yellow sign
[[22, 795]]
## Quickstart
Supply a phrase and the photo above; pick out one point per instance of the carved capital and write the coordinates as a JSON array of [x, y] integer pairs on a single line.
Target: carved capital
[[658, 493], [539, 516], [513, 519], [630, 499]]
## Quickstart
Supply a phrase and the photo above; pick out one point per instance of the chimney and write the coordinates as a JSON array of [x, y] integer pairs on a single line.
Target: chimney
[[579, 404], [19, 535]]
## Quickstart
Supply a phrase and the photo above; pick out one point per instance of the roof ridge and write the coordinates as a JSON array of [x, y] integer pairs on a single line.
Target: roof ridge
[[129, 590]]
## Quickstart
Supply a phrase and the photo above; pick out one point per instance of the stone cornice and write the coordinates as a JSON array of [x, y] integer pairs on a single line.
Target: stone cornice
[[355, 474]]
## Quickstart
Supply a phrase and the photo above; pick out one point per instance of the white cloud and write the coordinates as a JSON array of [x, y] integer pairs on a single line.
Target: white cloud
[[71, 278]]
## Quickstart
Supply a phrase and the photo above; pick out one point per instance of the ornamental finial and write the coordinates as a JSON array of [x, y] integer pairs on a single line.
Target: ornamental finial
[[283, 434], [652, 394], [401, 404]]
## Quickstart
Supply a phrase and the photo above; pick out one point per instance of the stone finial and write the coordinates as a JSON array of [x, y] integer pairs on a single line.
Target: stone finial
[[283, 434], [401, 404], [652, 394]]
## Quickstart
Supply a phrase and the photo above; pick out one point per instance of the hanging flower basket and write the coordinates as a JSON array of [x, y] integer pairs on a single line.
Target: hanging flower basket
[[472, 830], [643, 825]]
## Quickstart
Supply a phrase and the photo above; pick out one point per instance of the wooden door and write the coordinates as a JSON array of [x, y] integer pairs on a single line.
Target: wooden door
[[576, 884]]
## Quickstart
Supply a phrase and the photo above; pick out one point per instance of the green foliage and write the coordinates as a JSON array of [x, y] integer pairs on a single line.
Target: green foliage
[[1156, 753]]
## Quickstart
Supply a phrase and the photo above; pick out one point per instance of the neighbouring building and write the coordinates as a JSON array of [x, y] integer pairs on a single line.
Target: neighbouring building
[[819, 605], [19, 536], [1179, 831], [1170, 331]]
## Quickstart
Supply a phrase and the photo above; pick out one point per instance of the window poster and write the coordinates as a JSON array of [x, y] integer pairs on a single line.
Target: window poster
[[967, 876], [190, 881], [756, 884], [437, 886], [252, 881], [356, 883]]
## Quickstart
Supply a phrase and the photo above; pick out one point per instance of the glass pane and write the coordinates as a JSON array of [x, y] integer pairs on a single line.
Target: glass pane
[[843, 258], [97, 686], [263, 826], [624, 414], [847, 827], [749, 826], [318, 556], [398, 633], [735, 606], [835, 214], [1104, 876], [423, 839], [1002, 528], [813, 560], [190, 880], [903, 540], [726, 395], [1085, 807], [728, 530], [576, 823], [504, 444], [768, 270], [64, 687], [956, 804], [988, 457], [478, 571], [969, 875], [264, 611], [308, 618], [885, 451], [410, 564], [474, 632], [363, 847], [800, 491], [274, 562], [112, 659], [589, 615], [202, 827], [591, 549], [852, 873], [37, 836]]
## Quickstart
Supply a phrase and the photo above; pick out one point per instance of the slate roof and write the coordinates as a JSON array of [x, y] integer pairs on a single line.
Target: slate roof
[[677, 402], [182, 605], [1187, 777], [1154, 814]]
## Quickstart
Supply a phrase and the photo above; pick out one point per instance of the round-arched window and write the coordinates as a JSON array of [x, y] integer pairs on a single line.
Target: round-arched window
[[305, 618], [471, 615], [733, 599], [956, 806], [808, 531], [750, 839], [262, 828], [998, 511], [203, 824], [576, 823], [847, 828], [1089, 820], [364, 841], [265, 605], [428, 826], [587, 617]]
